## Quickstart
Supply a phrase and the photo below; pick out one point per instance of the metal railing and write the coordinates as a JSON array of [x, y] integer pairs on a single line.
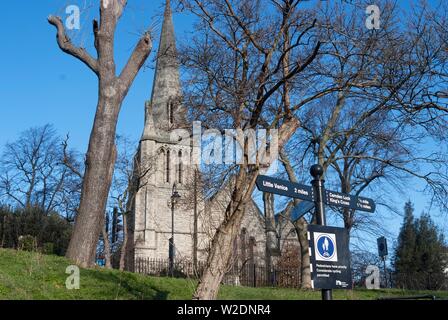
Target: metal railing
[[247, 274]]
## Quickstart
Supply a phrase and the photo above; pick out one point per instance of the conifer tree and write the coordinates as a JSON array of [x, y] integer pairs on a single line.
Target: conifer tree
[[404, 254], [420, 255]]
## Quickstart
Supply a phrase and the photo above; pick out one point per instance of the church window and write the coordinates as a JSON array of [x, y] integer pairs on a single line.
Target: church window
[[168, 166], [161, 165], [180, 173], [170, 112]]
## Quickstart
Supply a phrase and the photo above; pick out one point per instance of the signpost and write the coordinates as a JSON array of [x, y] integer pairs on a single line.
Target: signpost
[[330, 261]]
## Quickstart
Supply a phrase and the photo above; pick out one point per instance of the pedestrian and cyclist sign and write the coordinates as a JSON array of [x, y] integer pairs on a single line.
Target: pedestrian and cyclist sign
[[329, 257]]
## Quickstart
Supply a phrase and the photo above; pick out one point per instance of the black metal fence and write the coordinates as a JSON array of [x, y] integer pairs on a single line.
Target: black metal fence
[[247, 274], [252, 275]]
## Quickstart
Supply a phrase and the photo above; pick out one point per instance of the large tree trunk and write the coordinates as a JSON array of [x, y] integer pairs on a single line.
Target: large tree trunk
[[129, 245], [272, 243], [107, 254], [302, 230], [222, 243], [101, 153], [100, 162], [124, 246]]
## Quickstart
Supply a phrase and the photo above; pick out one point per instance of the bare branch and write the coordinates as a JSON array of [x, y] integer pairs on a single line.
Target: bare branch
[[135, 62], [67, 46], [66, 159]]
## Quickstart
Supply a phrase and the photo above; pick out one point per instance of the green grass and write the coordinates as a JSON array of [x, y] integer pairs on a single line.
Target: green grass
[[25, 275]]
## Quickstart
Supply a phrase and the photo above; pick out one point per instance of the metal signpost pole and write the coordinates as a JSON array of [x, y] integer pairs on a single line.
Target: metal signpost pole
[[318, 183]]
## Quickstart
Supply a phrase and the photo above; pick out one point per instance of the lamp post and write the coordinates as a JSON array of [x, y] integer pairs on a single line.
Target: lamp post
[[174, 197]]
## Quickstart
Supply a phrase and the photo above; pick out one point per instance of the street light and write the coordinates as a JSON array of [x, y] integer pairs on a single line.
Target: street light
[[175, 196]]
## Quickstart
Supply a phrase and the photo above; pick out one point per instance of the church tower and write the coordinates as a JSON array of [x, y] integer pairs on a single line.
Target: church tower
[[163, 158], [164, 111]]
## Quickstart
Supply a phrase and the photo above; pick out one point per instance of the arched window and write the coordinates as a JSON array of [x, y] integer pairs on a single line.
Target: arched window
[[170, 111], [168, 166], [180, 168], [161, 165]]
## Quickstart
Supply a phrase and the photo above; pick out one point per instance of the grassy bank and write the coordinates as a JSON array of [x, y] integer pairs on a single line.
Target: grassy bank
[[25, 275]]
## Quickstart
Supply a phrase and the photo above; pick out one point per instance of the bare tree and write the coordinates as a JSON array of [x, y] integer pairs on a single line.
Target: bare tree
[[101, 154], [372, 129], [32, 173], [269, 68], [239, 64]]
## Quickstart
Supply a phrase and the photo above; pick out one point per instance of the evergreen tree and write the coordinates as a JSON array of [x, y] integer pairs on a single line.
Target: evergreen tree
[[420, 256], [404, 254], [430, 254]]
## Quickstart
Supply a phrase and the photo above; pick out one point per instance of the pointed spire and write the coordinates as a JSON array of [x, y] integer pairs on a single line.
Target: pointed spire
[[166, 91], [167, 55], [168, 8]]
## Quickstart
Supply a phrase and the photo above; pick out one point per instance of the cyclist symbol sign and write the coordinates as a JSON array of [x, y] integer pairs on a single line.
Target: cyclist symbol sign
[[326, 248]]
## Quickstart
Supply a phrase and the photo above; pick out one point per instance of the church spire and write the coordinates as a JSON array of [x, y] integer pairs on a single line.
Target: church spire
[[165, 101], [167, 55]]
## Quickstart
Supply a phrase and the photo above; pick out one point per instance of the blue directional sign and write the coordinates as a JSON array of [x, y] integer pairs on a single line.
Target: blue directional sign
[[306, 193], [301, 209], [343, 200], [285, 188]]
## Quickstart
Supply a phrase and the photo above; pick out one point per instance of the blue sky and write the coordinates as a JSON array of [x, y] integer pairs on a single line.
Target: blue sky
[[40, 84]]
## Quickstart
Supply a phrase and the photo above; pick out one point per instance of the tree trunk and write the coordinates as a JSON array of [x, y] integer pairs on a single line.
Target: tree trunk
[[124, 246], [100, 163], [302, 230], [222, 243], [272, 244], [219, 257], [101, 154], [301, 227], [107, 254]]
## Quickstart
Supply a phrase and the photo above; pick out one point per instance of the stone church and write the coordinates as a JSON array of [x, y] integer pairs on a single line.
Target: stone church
[[194, 224]]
